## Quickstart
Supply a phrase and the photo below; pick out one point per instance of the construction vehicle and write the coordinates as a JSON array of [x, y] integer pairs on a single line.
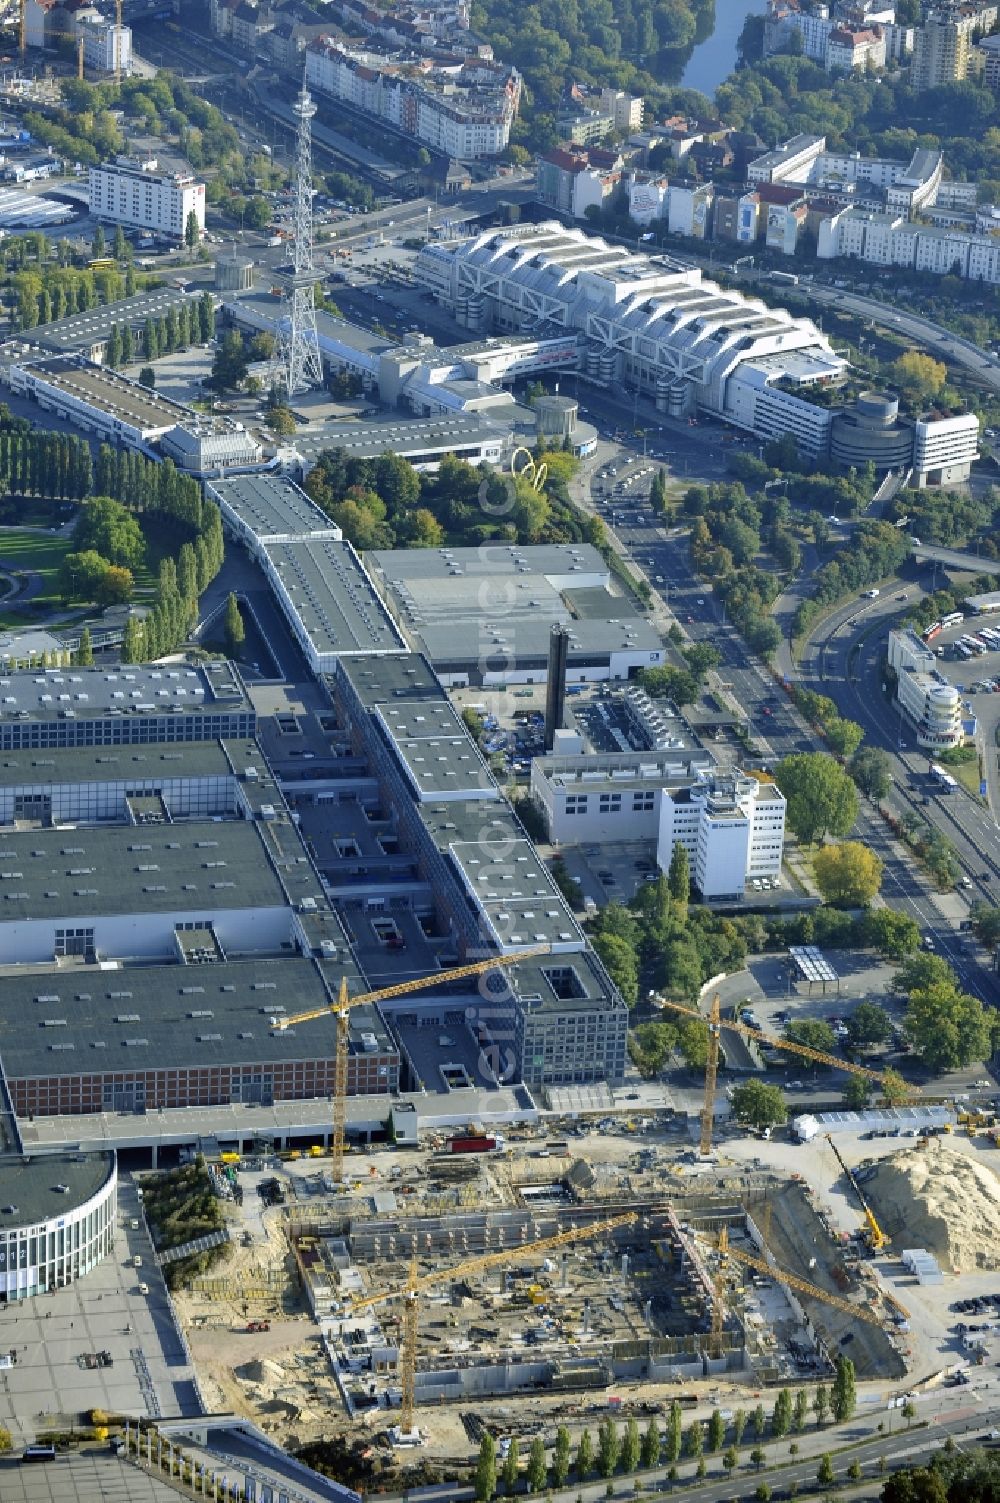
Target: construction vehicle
[[874, 1235], [416, 1283], [792, 1280], [716, 1023], [341, 1010]]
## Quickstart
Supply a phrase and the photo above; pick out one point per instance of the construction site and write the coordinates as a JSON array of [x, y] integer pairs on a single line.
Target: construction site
[[542, 1276]]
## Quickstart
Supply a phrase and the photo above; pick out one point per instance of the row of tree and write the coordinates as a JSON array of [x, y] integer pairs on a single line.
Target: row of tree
[[179, 586], [875, 552], [35, 462], [627, 1449], [190, 323]]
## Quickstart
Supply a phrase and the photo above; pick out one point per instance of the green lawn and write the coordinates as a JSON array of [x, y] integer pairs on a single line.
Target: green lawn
[[37, 553]]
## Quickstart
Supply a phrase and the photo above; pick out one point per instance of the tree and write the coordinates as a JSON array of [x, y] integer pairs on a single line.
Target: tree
[[147, 377], [560, 1457], [674, 1432], [985, 924], [821, 1406], [849, 874], [870, 769], [949, 1029], [716, 1431], [651, 1444], [822, 800], [235, 632], [739, 1425], [281, 420], [825, 1475], [511, 1468], [758, 1105], [132, 641], [110, 529], [609, 1448], [814, 1035], [919, 376], [485, 1480], [800, 1411], [843, 1398], [98, 244], [759, 1421], [856, 1093], [730, 1458], [781, 1418], [679, 875], [758, 1456], [854, 1471], [909, 1412], [84, 656], [631, 1446], [694, 1439], [762, 1493], [538, 1471], [894, 935], [192, 231], [6, 1441], [868, 1026], [584, 1457]]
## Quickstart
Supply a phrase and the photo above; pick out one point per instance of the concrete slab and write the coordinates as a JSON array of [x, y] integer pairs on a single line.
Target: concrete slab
[[82, 1478]]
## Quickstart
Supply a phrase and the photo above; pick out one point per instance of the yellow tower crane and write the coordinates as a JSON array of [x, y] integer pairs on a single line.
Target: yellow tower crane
[[344, 1005], [802, 1286], [22, 37], [716, 1024], [417, 1283]]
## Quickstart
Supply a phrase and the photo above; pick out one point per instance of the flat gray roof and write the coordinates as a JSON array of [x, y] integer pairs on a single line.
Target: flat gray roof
[[500, 601], [405, 436], [169, 1016], [272, 506], [113, 394], [86, 693], [434, 745], [43, 1189], [155, 760], [333, 596], [392, 677], [80, 331], [101, 869]]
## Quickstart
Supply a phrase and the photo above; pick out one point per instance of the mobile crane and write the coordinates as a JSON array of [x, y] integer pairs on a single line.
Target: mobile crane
[[802, 1286], [874, 1235]]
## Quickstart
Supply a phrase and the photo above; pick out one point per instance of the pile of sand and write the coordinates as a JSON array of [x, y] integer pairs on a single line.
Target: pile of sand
[[941, 1200], [261, 1370]]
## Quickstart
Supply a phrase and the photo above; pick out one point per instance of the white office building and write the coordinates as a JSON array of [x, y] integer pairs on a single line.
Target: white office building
[[107, 48], [124, 193], [944, 448], [931, 705], [647, 322], [733, 829]]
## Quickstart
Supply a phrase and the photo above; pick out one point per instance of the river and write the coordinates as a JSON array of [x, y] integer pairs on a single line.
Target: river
[[712, 60]]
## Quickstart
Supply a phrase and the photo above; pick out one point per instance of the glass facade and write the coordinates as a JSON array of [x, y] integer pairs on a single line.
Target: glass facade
[[54, 1253]]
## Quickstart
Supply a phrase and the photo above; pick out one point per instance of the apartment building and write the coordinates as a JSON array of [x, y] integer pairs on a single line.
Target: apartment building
[[464, 108], [885, 239], [124, 193], [944, 47]]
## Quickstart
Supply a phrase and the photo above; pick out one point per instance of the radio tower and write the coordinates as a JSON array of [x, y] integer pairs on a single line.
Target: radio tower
[[296, 363]]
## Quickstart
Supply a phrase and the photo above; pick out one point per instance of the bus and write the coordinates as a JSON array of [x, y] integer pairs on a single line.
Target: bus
[[785, 276], [102, 263], [955, 619], [943, 779], [38, 1453], [932, 632]]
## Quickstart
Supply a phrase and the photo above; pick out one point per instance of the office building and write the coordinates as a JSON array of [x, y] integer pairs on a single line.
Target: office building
[[107, 48], [127, 194], [733, 829], [944, 448], [932, 706], [641, 322], [610, 797]]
